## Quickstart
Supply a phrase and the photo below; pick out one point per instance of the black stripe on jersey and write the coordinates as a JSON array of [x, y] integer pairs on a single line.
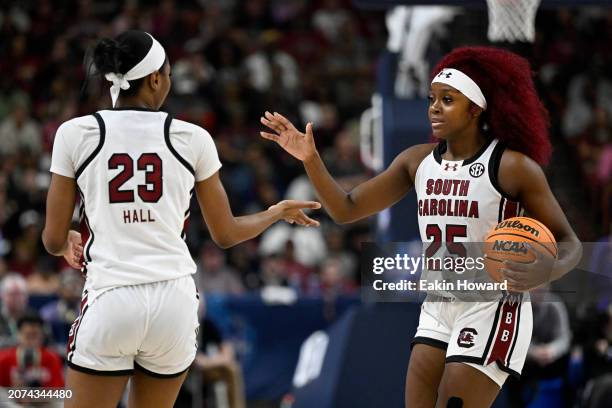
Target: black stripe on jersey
[[135, 109], [493, 330], [76, 332], [98, 148], [156, 375], [90, 241], [494, 162], [516, 330], [477, 361], [98, 372], [87, 257], [500, 216], [442, 345], [174, 152], [441, 148], [478, 154], [508, 370], [438, 151]]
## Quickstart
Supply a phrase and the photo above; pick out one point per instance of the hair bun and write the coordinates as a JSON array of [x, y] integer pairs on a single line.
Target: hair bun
[[108, 56]]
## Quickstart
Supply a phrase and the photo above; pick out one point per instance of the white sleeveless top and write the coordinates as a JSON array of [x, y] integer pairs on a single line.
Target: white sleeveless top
[[460, 201], [135, 172]]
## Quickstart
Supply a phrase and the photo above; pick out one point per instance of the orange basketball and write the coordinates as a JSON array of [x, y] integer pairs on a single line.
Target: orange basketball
[[506, 241]]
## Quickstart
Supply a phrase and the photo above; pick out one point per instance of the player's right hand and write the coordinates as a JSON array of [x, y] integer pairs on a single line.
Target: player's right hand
[[299, 145], [74, 249], [292, 212]]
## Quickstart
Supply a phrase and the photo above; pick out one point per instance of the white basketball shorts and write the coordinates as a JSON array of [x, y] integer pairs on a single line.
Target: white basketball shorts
[[151, 327], [492, 337]]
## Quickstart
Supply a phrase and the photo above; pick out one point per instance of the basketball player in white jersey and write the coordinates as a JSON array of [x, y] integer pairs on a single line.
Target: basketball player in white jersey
[[136, 169], [493, 135]]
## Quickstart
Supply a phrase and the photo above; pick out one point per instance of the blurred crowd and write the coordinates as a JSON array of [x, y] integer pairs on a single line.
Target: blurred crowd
[[572, 57], [231, 61], [313, 61]]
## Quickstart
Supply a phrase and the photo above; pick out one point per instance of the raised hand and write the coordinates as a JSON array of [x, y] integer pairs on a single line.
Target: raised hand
[[299, 145], [292, 212]]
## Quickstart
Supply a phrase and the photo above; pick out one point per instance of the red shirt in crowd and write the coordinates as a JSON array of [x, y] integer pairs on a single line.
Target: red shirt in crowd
[[46, 369]]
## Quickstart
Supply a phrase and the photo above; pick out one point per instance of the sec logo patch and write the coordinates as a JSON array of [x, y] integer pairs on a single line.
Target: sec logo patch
[[477, 170]]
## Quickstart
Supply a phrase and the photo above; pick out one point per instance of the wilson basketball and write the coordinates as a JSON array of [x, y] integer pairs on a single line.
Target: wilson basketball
[[506, 241]]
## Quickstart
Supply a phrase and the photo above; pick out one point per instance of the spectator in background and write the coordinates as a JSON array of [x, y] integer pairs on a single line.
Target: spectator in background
[[44, 280], [60, 314], [216, 276], [271, 272], [604, 175], [216, 359], [3, 269], [600, 270], [336, 246], [587, 90], [26, 247], [19, 132], [14, 295], [604, 168], [343, 161], [333, 279], [271, 66], [300, 277], [598, 361], [329, 18], [548, 354], [29, 364]]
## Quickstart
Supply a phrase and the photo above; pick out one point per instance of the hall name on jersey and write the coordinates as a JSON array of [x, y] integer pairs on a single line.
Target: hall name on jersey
[[450, 207], [135, 216]]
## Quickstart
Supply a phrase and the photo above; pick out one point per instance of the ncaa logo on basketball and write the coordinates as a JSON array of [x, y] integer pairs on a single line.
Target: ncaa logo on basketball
[[509, 246], [477, 170], [466, 337]]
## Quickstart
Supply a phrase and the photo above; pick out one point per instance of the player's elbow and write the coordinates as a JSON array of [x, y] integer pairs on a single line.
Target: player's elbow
[[224, 244], [52, 243], [224, 241], [341, 219], [345, 214]]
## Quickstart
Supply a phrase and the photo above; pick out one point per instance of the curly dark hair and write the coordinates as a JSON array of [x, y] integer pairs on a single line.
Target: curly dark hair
[[515, 114]]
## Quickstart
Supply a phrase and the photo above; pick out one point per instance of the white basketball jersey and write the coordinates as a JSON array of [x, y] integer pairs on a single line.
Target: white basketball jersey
[[459, 202], [135, 171]]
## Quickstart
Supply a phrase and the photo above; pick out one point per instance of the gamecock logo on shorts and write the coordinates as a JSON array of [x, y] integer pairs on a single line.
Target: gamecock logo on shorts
[[466, 337]]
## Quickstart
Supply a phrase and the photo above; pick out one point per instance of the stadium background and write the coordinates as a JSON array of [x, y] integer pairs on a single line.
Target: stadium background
[[319, 61]]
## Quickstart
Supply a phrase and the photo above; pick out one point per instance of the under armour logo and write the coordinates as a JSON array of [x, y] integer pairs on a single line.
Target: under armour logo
[[477, 170], [446, 74], [447, 166]]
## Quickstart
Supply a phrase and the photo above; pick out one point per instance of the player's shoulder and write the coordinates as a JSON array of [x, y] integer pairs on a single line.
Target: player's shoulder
[[79, 123], [414, 155], [182, 127], [513, 160], [517, 170]]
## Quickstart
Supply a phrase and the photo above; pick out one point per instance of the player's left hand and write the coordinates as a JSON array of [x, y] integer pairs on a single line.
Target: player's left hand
[[523, 277], [292, 212], [74, 249]]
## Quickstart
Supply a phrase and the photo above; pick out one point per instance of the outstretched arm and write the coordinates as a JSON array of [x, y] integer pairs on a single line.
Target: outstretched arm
[[364, 200], [227, 230], [523, 179]]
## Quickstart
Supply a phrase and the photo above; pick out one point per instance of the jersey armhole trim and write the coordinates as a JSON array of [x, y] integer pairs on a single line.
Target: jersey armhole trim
[[98, 148], [172, 149], [494, 163]]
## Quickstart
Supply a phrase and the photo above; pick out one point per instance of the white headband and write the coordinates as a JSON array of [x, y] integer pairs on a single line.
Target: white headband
[[463, 84], [149, 64]]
